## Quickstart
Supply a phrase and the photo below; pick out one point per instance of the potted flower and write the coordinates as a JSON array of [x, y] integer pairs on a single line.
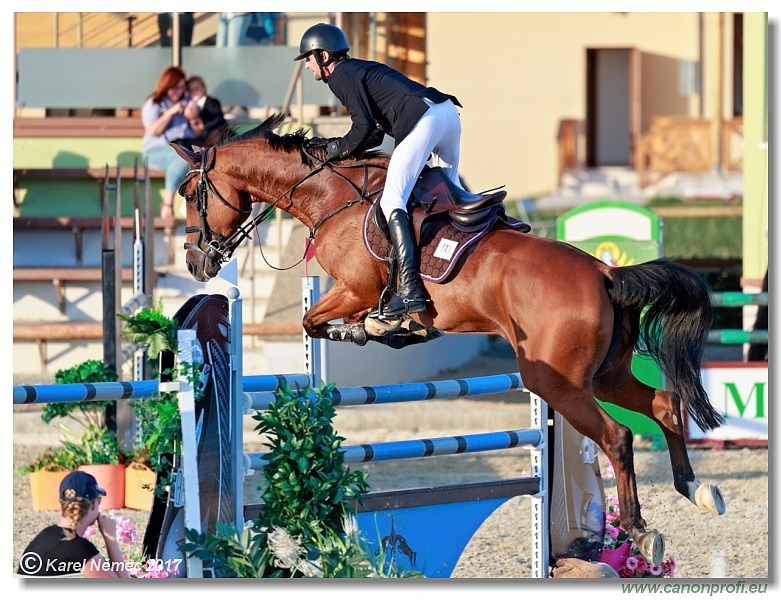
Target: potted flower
[[620, 551], [140, 482], [97, 451], [45, 474], [102, 458]]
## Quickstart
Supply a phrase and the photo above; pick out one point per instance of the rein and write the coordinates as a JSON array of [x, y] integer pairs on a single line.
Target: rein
[[220, 248], [362, 194]]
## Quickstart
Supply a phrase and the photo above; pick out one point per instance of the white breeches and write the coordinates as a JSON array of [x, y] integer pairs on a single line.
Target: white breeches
[[436, 135]]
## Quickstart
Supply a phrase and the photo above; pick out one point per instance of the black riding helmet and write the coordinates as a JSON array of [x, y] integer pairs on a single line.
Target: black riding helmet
[[323, 37]]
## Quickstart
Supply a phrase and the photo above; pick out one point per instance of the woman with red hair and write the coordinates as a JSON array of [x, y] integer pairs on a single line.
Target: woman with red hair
[[169, 115]]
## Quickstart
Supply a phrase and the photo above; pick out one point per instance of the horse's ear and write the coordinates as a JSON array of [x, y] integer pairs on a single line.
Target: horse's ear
[[188, 154]]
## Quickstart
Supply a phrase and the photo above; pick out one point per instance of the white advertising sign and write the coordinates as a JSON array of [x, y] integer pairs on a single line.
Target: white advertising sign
[[740, 391]]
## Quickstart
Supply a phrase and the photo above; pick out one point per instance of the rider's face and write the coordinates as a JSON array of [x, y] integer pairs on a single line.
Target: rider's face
[[311, 64]]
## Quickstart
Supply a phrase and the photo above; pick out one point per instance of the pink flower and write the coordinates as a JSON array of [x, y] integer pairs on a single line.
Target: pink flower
[[140, 568], [655, 571], [616, 535], [126, 531], [669, 566], [642, 565]]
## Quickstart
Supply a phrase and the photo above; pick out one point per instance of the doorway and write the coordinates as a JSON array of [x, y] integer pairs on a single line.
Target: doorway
[[612, 119]]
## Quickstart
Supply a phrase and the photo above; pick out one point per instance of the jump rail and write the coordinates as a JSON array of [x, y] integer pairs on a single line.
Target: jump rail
[[738, 336], [393, 508]]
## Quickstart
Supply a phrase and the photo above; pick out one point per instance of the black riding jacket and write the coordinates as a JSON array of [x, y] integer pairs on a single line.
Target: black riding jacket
[[379, 100]]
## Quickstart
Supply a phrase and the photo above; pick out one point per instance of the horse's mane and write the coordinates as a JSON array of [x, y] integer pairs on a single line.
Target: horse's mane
[[288, 142]]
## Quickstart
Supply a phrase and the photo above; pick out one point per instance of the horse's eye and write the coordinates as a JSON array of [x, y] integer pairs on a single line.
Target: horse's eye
[[189, 198]]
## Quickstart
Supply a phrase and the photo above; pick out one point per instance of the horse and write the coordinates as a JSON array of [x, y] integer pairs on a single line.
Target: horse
[[573, 321]]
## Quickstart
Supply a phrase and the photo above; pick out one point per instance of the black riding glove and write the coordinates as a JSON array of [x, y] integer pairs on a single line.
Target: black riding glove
[[330, 146], [375, 139], [333, 149], [315, 143]]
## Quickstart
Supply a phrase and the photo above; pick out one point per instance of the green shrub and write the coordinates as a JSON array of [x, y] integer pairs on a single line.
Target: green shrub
[[703, 237], [87, 414], [307, 527]]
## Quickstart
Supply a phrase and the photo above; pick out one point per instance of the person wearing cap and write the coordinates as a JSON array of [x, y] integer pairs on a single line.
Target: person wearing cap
[[423, 122], [61, 549]]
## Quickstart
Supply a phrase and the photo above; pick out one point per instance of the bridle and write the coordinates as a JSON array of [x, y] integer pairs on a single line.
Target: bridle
[[219, 248]]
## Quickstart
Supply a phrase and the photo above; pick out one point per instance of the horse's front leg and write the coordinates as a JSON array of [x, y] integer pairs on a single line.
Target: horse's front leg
[[337, 303]]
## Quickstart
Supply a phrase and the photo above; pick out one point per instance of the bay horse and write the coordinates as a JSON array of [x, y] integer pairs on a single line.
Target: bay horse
[[573, 321]]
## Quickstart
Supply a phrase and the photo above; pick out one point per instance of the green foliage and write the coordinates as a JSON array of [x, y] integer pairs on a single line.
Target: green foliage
[[159, 435], [307, 527], [52, 459], [89, 371], [306, 488], [231, 555], [150, 326], [703, 237], [97, 446], [85, 413]]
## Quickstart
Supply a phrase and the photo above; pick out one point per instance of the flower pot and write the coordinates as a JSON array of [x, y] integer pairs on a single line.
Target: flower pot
[[112, 479], [45, 487], [140, 483], [616, 557]]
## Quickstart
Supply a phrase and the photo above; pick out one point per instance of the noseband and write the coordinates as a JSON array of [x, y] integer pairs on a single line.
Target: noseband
[[219, 248]]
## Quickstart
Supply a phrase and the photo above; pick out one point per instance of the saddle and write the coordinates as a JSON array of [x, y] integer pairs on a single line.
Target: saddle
[[446, 220]]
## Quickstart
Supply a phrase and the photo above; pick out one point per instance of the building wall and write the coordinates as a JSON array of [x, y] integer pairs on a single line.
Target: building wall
[[755, 200], [519, 74]]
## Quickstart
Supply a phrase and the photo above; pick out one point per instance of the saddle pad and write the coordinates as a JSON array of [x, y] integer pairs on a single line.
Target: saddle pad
[[441, 243]]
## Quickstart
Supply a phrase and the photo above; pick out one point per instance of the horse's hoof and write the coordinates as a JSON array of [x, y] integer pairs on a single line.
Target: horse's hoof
[[358, 335], [347, 333], [651, 545], [708, 497]]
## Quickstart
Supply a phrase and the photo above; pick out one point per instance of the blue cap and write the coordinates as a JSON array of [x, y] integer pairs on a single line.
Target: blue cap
[[78, 485]]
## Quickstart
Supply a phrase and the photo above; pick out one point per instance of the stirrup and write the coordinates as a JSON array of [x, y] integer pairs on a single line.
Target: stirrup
[[408, 306]]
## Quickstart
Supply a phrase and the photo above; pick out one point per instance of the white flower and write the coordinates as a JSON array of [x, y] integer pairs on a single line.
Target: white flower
[[350, 527], [310, 569], [286, 551]]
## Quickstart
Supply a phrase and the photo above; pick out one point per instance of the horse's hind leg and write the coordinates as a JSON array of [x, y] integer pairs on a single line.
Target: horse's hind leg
[[586, 416], [665, 409]]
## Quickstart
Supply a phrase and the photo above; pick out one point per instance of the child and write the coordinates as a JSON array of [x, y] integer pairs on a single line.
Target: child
[[211, 110], [61, 549]]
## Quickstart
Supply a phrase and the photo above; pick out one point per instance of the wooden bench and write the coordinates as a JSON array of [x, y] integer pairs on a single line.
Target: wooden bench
[[129, 126], [59, 276], [93, 330], [97, 174], [78, 225], [42, 332]]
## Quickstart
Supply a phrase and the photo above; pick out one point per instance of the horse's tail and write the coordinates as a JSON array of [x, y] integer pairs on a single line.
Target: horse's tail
[[674, 329]]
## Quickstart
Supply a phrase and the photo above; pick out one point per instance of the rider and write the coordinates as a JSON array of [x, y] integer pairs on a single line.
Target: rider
[[422, 120]]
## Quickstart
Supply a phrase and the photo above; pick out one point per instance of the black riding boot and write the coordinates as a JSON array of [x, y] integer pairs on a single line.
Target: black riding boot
[[409, 296]]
